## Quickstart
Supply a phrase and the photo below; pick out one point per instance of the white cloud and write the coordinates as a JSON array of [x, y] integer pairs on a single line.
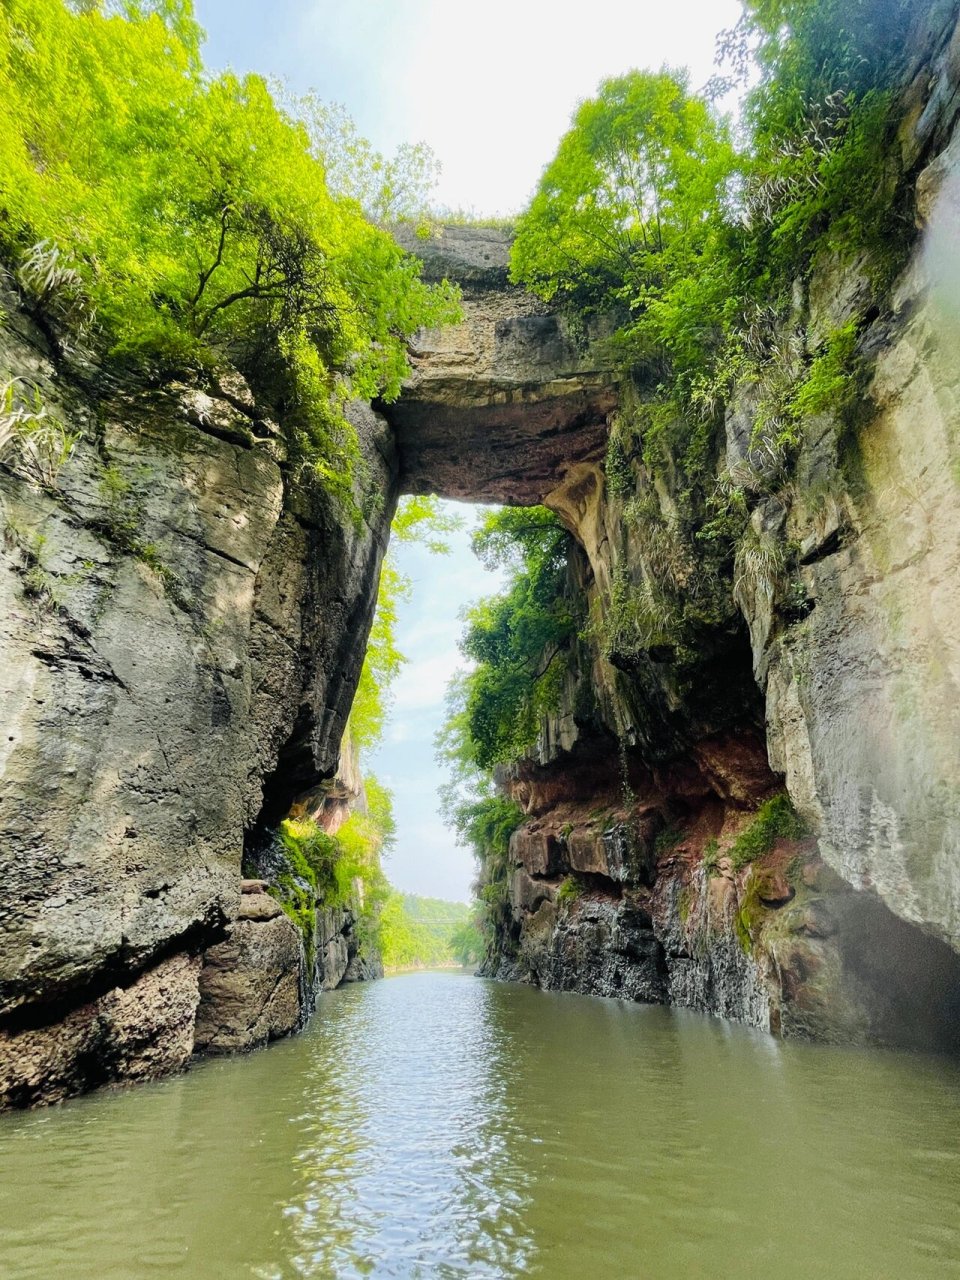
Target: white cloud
[[493, 92], [490, 89]]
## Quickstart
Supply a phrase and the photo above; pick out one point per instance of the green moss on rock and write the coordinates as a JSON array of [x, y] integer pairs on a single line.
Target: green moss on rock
[[776, 819]]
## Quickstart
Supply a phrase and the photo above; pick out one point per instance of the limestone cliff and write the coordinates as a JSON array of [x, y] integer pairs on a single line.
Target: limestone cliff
[[184, 623], [186, 619], [629, 875], [184, 627], [499, 406]]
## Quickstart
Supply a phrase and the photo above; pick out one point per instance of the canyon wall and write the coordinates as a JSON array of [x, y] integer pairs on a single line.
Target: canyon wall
[[185, 619], [819, 655], [183, 629], [652, 864]]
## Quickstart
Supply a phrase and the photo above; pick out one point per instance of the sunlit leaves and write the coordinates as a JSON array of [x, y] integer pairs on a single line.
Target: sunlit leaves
[[516, 640], [198, 216], [421, 520], [387, 188], [630, 190]]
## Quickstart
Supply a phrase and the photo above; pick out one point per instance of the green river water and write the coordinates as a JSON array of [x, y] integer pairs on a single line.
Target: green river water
[[435, 1125]]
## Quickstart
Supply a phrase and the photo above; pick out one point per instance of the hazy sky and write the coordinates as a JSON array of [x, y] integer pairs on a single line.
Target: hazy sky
[[490, 86], [426, 859]]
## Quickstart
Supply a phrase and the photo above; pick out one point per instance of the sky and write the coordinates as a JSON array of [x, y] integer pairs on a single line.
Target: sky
[[426, 859], [490, 86]]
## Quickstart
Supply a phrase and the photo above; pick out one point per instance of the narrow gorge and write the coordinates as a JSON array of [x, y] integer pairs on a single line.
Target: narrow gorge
[[744, 798]]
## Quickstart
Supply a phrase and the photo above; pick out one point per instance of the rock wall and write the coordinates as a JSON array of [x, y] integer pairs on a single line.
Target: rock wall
[[631, 887], [497, 407], [843, 685], [863, 688], [184, 627], [863, 692]]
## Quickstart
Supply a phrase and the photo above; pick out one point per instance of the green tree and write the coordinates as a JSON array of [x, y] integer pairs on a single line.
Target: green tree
[[466, 942], [417, 520], [518, 640], [387, 188], [627, 201], [482, 818], [186, 219], [407, 942]]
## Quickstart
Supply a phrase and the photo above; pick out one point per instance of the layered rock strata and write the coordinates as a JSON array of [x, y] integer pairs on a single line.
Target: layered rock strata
[[844, 685], [862, 682], [500, 405], [637, 893], [184, 628], [184, 622]]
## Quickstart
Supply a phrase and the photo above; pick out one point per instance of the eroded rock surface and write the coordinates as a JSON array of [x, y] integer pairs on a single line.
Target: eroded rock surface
[[137, 1032], [845, 683], [863, 689], [183, 632], [634, 895], [251, 983], [184, 623], [499, 406]]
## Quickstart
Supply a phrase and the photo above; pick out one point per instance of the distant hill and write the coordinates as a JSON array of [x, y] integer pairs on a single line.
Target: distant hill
[[424, 933]]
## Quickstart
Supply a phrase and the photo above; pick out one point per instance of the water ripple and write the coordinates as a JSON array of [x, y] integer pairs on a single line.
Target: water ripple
[[441, 1127]]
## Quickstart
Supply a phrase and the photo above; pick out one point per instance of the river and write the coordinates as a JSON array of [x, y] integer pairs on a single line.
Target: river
[[435, 1125]]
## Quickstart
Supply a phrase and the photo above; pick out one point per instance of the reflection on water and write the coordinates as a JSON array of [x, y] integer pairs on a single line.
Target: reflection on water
[[403, 1161], [435, 1125]]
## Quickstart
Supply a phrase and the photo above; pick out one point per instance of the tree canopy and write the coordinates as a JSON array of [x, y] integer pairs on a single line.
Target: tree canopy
[[629, 194], [517, 639], [184, 220], [387, 188]]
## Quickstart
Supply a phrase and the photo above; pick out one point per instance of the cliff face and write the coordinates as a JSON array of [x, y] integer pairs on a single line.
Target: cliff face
[[186, 621], [862, 692], [499, 406], [183, 633], [649, 866], [631, 877]]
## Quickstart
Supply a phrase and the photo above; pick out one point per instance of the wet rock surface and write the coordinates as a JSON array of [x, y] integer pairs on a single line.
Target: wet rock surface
[[250, 984], [130, 1033]]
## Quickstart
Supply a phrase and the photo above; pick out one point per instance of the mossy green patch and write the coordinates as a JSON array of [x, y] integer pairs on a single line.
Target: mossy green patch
[[776, 819], [750, 915], [570, 890], [299, 906], [830, 383], [685, 900], [711, 856], [668, 839]]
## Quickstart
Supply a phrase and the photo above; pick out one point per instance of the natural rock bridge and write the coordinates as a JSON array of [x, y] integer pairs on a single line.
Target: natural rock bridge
[[157, 724], [499, 407], [165, 709]]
